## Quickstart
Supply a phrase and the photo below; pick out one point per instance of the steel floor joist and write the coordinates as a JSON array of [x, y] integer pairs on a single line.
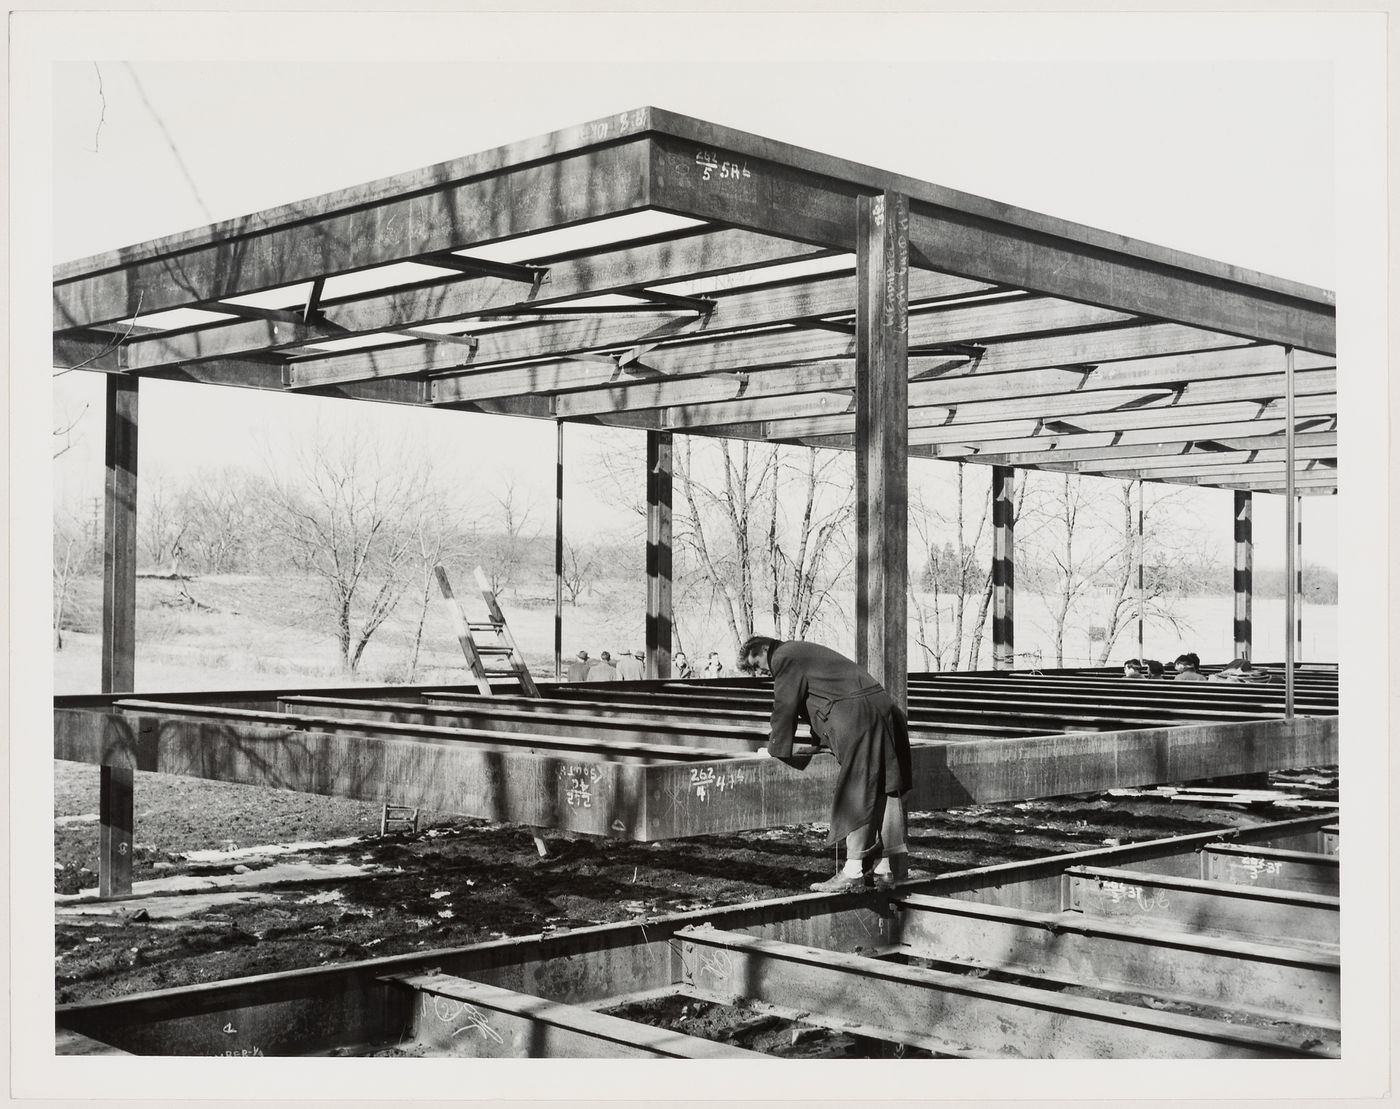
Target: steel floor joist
[[664, 760], [939, 963]]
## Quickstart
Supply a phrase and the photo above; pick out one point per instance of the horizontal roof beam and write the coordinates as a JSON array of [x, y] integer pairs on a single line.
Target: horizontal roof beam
[[1190, 448], [701, 365], [743, 353], [985, 242], [926, 401], [690, 255], [937, 380], [1119, 410], [1241, 471], [1207, 461], [574, 188], [732, 312]]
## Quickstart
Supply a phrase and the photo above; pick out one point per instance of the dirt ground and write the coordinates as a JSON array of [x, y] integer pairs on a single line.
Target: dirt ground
[[248, 907]]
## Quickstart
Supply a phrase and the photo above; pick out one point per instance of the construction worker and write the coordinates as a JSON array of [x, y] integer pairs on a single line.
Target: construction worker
[[578, 668], [852, 714]]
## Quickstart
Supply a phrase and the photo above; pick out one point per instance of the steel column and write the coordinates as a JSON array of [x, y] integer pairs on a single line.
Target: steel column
[[559, 550], [1289, 451], [659, 613], [1244, 573], [1003, 568], [116, 800], [882, 438], [1298, 583], [1142, 588]]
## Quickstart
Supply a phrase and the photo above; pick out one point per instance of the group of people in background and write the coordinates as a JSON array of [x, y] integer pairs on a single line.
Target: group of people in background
[[630, 666], [1187, 668]]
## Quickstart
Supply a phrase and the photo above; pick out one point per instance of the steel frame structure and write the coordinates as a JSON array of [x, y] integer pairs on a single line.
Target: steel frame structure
[[1023, 340], [1088, 955], [792, 298]]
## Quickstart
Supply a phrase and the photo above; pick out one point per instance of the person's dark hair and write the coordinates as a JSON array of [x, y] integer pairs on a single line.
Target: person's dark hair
[[1133, 664], [752, 645], [1190, 659], [1154, 667]]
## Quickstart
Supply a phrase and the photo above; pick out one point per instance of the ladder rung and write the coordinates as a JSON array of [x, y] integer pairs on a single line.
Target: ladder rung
[[486, 627], [491, 649]]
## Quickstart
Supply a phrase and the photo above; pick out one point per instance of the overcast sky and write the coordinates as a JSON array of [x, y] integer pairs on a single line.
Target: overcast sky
[[1232, 160]]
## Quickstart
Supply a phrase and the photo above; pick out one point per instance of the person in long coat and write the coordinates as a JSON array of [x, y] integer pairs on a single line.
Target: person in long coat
[[865, 728]]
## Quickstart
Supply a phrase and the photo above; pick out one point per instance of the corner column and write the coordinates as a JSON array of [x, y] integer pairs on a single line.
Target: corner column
[[1244, 573], [659, 476], [882, 439], [116, 810], [559, 550], [1003, 568]]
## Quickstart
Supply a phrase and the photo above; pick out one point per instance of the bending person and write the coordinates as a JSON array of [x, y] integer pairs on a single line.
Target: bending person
[[852, 714]]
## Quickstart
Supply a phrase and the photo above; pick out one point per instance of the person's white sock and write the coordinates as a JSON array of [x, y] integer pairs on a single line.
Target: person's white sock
[[852, 869], [883, 866]]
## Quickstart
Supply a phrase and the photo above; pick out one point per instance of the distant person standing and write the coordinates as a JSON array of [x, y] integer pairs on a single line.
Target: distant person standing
[[680, 666], [578, 668], [852, 714], [602, 669], [1134, 668], [713, 666], [629, 666]]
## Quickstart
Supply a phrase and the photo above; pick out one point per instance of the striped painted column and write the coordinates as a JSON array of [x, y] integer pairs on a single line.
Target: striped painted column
[[1298, 584], [1244, 572], [659, 478], [1003, 568]]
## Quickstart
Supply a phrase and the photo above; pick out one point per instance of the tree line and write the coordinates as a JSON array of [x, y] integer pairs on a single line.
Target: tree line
[[763, 540]]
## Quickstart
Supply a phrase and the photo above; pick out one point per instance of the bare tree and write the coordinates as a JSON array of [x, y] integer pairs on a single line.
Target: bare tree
[[508, 546], [1167, 547], [955, 568], [580, 568], [350, 517], [72, 557], [220, 509], [1083, 562], [163, 519], [734, 532]]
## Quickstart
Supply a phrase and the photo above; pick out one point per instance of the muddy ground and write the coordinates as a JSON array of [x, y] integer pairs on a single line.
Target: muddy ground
[[458, 881]]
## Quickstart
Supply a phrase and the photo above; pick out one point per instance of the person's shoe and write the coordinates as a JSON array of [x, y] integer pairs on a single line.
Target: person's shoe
[[898, 872], [840, 883]]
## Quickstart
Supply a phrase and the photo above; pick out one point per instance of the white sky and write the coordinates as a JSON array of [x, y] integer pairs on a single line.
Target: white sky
[[1209, 133], [1232, 161]]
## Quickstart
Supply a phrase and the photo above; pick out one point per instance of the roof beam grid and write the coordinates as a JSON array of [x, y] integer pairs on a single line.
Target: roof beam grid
[[694, 254]]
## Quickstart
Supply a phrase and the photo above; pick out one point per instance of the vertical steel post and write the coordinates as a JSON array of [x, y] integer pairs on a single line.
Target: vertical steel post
[[1142, 587], [116, 808], [1288, 530], [882, 439], [1003, 568], [659, 614], [559, 550], [1244, 573], [1298, 584]]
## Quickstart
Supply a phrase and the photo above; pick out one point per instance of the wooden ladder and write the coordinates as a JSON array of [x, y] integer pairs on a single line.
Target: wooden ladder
[[503, 648]]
